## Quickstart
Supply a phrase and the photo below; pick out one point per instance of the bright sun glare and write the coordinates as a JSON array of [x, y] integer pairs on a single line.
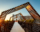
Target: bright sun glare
[[8, 17]]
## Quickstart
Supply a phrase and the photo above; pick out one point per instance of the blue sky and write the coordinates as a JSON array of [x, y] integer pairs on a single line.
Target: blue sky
[[7, 4]]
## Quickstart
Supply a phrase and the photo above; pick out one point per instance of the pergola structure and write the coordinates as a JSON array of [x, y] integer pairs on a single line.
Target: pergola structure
[[19, 16], [31, 11]]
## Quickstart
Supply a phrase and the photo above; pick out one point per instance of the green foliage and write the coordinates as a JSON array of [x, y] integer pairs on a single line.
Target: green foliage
[[22, 20], [30, 21]]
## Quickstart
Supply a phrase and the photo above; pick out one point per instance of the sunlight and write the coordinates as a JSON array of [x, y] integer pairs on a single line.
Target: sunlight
[[29, 7], [8, 17]]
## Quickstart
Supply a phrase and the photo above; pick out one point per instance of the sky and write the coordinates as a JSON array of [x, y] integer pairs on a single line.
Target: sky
[[8, 4]]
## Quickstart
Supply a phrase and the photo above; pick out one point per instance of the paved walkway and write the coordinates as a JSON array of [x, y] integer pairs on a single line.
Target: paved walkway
[[17, 28]]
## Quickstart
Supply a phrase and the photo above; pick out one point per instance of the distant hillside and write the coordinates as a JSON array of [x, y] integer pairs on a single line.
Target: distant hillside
[[28, 17]]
